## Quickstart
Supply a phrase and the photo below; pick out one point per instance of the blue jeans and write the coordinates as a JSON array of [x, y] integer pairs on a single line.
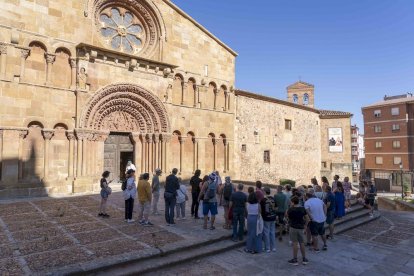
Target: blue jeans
[[238, 218], [269, 235], [253, 242], [169, 209]]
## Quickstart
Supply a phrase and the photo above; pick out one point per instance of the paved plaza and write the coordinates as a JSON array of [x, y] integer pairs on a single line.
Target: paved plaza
[[382, 247]]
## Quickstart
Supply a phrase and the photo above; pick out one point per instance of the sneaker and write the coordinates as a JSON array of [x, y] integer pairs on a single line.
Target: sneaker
[[293, 261], [131, 221], [100, 215], [148, 223], [141, 222], [371, 215], [305, 261], [317, 250], [268, 251], [324, 248]]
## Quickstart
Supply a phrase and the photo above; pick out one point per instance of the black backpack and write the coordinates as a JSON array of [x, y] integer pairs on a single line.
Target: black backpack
[[124, 185], [270, 208], [227, 191]]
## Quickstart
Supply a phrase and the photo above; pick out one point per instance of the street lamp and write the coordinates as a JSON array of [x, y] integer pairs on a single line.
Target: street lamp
[[402, 182]]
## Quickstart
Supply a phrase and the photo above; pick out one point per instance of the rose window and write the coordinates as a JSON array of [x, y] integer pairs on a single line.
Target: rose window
[[122, 30]]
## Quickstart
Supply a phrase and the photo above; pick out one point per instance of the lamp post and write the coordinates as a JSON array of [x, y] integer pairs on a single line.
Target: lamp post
[[402, 182]]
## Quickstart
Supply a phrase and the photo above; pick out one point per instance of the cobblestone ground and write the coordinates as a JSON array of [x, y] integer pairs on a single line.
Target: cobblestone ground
[[47, 235], [382, 247]]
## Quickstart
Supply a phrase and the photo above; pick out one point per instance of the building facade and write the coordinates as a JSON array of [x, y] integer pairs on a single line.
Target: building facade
[[388, 139], [355, 153], [86, 86]]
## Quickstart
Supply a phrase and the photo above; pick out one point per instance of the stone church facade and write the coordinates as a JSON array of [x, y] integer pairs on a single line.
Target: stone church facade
[[87, 85]]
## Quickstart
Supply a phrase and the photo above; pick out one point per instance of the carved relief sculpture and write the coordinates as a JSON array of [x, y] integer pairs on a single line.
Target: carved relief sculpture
[[82, 79]]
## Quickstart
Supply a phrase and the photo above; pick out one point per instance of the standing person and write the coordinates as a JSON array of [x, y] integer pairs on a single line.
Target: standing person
[[298, 222], [200, 197], [330, 210], [130, 166], [325, 183], [155, 189], [288, 191], [371, 193], [170, 193], [254, 239], [238, 205], [281, 201], [316, 210], [226, 191], [319, 193], [335, 182], [218, 178], [268, 208], [347, 193], [195, 192], [208, 194], [105, 192], [130, 194], [144, 200], [340, 201], [181, 199], [259, 191], [314, 182]]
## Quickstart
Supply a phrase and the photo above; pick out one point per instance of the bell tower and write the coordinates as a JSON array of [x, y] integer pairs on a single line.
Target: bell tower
[[301, 93]]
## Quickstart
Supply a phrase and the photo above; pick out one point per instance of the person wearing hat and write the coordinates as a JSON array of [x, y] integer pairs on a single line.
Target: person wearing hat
[[130, 194], [155, 189], [130, 166], [208, 195]]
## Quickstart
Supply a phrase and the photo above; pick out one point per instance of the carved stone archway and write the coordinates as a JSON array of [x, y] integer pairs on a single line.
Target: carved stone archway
[[125, 107]]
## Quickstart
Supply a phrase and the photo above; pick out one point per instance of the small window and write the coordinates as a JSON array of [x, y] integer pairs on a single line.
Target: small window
[[377, 129], [396, 144], [377, 113], [378, 145], [395, 111], [378, 160], [243, 148], [288, 124], [306, 99], [397, 160], [395, 127], [266, 156], [295, 98]]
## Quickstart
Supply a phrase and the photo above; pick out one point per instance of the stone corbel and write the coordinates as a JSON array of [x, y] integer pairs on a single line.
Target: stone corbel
[[70, 135], [93, 55], [48, 134], [50, 58], [133, 64], [167, 72]]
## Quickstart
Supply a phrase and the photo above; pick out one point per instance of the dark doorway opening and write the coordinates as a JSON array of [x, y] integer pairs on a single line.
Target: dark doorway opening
[[117, 151]]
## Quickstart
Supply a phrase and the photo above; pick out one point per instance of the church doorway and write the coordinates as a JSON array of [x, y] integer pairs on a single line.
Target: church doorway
[[118, 151]]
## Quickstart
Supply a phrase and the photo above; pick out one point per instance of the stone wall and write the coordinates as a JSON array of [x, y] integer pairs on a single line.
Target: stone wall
[[336, 162], [260, 126]]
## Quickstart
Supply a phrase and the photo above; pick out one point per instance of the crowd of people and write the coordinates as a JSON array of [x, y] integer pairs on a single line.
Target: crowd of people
[[301, 212]]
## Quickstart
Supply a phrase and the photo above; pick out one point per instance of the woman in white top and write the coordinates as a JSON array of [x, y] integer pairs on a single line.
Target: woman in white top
[[130, 193], [254, 240], [181, 198]]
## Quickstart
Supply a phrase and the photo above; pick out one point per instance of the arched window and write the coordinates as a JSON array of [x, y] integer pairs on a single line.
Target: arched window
[[36, 63], [62, 76], [295, 98], [306, 99], [177, 96]]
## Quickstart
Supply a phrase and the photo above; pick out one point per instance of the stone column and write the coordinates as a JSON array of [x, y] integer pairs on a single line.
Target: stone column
[[196, 154], [50, 59], [225, 100], [24, 53], [80, 137], [195, 89], [135, 137], [72, 62], [183, 91], [182, 141], [22, 135], [3, 59], [156, 151], [225, 155], [215, 98], [166, 138], [47, 134], [71, 138], [215, 153], [149, 153], [143, 153]]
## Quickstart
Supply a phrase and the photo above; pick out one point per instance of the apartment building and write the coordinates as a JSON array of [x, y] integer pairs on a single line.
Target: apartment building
[[388, 139]]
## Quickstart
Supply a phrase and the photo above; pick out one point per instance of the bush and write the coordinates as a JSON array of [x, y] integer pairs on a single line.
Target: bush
[[284, 182]]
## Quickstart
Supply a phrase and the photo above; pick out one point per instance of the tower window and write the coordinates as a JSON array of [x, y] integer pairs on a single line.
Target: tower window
[[295, 98], [288, 124], [306, 99], [266, 156]]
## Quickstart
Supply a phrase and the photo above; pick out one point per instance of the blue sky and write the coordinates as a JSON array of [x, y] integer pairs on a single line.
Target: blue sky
[[353, 51]]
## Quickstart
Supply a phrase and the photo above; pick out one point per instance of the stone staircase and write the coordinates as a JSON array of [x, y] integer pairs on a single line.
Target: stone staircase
[[357, 216]]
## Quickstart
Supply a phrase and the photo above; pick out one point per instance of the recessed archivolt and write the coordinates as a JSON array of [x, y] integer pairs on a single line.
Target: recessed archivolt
[[135, 108]]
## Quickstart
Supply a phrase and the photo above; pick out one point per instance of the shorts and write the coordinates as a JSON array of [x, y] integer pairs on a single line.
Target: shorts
[[317, 228], [104, 193], [144, 207], [296, 235], [280, 218], [330, 217], [369, 201], [348, 196], [210, 206]]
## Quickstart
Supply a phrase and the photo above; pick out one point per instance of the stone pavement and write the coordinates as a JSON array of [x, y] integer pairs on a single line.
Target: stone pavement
[[381, 247], [47, 235]]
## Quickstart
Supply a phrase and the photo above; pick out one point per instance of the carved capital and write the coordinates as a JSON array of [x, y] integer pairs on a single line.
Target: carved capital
[[135, 137], [3, 49], [182, 139], [22, 134], [71, 135], [196, 140], [81, 135], [214, 140], [156, 138], [50, 58], [166, 137], [24, 53], [72, 62], [48, 133], [148, 138]]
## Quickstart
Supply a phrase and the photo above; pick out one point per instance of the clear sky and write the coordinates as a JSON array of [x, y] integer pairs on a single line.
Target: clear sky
[[353, 51]]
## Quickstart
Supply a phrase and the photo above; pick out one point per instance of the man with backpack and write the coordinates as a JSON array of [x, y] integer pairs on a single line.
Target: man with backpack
[[226, 191], [170, 193], [268, 207], [208, 195]]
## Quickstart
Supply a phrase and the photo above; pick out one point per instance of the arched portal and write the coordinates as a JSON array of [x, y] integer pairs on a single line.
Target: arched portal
[[131, 120]]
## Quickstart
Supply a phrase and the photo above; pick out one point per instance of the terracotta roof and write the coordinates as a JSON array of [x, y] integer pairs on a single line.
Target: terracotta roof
[[300, 84], [252, 95], [333, 113], [389, 102]]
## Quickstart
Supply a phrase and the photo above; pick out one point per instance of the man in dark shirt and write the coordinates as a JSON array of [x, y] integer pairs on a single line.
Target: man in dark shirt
[[170, 193], [238, 205], [330, 210], [195, 193], [298, 222]]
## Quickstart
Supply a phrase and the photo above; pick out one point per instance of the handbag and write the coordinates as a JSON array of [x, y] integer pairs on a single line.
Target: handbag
[[259, 225], [109, 190], [168, 195]]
